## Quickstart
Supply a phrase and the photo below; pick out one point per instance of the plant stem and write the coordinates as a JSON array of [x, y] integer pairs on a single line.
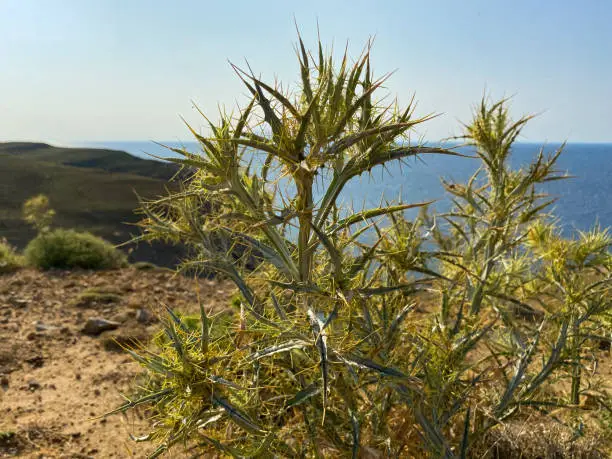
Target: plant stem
[[304, 181], [576, 369]]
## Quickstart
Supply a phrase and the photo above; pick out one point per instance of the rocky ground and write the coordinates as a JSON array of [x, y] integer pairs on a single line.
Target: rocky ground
[[62, 364], [61, 361]]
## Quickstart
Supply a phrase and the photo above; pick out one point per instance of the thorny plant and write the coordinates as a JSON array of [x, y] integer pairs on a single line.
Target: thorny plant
[[322, 360], [521, 304]]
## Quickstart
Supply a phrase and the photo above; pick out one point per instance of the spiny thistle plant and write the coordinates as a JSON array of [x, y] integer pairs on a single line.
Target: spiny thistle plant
[[513, 291], [577, 279], [313, 364], [321, 359]]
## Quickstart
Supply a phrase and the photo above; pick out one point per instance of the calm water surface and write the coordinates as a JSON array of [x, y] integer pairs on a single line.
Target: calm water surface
[[582, 200]]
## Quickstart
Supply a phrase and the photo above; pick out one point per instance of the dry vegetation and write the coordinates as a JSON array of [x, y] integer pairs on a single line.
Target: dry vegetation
[[55, 380], [326, 358]]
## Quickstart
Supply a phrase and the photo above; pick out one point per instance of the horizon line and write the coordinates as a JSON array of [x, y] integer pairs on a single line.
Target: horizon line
[[79, 143]]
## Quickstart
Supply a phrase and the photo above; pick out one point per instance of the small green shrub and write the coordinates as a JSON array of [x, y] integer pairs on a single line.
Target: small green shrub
[[10, 260], [66, 249]]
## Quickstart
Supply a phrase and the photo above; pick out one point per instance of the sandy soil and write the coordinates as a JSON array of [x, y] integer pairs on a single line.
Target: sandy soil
[[55, 381]]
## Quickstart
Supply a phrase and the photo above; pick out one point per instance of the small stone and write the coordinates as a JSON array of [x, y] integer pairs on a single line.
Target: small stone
[[143, 316], [41, 327], [33, 385], [37, 361], [18, 302], [96, 325], [4, 382]]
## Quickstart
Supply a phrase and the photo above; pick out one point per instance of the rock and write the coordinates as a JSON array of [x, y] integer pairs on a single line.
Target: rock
[[41, 327], [36, 362], [33, 385], [4, 382], [96, 325], [18, 302], [144, 317]]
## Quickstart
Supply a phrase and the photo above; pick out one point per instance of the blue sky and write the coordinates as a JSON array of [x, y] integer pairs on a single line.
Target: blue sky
[[95, 70]]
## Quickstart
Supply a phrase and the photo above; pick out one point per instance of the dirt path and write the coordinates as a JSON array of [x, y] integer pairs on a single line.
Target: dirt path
[[54, 379]]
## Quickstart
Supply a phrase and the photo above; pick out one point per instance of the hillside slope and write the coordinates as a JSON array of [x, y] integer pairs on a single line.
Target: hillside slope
[[93, 190], [96, 158]]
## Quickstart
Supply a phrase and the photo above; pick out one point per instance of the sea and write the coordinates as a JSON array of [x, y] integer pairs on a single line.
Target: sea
[[584, 200]]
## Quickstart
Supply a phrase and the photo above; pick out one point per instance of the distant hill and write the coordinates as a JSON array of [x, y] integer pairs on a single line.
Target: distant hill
[[90, 189], [95, 158]]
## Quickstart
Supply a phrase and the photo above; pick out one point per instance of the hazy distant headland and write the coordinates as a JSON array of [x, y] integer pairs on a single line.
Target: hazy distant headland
[[90, 188]]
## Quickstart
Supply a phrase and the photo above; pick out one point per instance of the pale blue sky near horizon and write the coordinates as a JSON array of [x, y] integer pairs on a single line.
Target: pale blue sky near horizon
[[93, 70]]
